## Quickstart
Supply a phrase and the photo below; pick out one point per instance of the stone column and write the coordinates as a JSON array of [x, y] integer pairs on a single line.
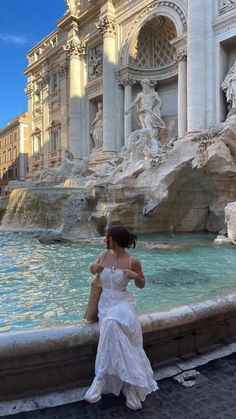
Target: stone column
[[196, 66], [181, 57], [22, 154], [29, 92], [128, 83], [75, 49], [63, 71], [106, 27]]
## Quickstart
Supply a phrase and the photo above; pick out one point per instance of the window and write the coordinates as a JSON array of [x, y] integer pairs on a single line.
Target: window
[[54, 82], [37, 144], [9, 154], [4, 157], [53, 42], [15, 136], [54, 140], [16, 173], [14, 153], [10, 173]]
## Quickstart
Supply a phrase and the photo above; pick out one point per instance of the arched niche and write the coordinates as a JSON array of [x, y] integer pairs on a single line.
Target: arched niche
[[159, 10]]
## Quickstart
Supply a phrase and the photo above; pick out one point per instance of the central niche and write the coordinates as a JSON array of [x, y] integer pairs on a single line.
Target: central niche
[[152, 48]]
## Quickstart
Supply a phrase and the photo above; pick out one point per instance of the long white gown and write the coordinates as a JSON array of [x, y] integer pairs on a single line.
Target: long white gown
[[120, 355]]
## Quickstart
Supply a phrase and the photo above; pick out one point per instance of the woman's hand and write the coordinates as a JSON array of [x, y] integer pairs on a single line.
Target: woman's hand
[[95, 268], [130, 274], [136, 274]]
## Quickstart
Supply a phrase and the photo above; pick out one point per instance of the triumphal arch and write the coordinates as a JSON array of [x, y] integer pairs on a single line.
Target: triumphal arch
[[83, 77]]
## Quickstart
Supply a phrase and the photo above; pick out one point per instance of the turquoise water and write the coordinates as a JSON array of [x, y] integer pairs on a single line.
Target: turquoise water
[[47, 285]]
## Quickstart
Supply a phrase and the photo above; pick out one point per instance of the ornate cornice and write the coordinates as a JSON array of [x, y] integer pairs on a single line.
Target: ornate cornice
[[75, 48], [225, 24], [106, 26]]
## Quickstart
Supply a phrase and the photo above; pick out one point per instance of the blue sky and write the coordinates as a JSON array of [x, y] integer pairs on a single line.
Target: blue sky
[[23, 23]]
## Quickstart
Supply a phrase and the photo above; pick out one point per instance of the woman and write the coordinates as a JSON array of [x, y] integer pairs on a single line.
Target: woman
[[121, 363]]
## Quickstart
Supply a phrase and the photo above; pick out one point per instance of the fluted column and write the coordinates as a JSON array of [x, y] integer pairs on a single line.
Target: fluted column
[[106, 27], [196, 66], [75, 50], [127, 83]]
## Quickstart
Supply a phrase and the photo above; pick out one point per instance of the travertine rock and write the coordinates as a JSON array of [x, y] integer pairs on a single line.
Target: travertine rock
[[230, 217]]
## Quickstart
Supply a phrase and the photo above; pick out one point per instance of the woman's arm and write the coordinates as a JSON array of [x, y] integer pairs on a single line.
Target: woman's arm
[[136, 273], [97, 267]]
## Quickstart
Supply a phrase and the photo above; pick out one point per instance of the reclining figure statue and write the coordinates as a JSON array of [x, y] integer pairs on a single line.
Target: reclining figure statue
[[69, 168]]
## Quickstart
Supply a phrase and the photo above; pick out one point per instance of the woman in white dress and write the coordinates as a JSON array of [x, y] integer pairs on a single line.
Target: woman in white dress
[[121, 363]]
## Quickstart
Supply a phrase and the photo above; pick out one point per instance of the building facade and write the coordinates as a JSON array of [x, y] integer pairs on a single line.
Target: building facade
[[99, 53], [14, 150]]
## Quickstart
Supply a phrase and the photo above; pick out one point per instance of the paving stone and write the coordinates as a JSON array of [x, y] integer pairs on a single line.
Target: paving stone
[[213, 397]]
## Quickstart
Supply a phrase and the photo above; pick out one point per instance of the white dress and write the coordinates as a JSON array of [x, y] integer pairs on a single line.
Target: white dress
[[120, 355]]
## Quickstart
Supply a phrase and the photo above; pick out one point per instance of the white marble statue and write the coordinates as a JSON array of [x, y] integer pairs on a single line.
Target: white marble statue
[[97, 124], [148, 107], [229, 87], [73, 5], [70, 167]]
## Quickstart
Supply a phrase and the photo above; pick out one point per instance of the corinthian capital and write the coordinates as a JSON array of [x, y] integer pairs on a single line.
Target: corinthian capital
[[106, 26], [181, 54], [127, 82], [75, 48]]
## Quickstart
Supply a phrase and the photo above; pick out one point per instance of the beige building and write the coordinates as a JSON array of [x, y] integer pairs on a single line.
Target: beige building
[[99, 53], [14, 150]]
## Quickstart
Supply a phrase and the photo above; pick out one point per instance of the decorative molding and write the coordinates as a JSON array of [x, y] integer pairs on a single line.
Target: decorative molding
[[151, 11], [181, 54], [225, 25], [106, 26], [29, 90], [226, 5], [127, 81], [154, 7], [75, 48], [73, 6]]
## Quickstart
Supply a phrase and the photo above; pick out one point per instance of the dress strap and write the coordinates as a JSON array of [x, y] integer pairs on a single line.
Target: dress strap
[[130, 263]]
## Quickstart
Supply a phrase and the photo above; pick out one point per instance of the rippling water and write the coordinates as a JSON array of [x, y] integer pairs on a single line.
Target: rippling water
[[45, 285]]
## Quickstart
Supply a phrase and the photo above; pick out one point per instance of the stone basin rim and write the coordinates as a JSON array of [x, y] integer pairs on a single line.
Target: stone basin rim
[[70, 336]]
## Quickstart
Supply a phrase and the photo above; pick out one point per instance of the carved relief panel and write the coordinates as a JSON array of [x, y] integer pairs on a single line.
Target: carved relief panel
[[95, 62]]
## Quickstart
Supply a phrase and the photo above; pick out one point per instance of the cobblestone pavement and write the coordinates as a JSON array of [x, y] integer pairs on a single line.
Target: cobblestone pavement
[[212, 397]]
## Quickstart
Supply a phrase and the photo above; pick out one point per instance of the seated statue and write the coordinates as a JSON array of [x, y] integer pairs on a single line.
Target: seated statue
[[70, 167]]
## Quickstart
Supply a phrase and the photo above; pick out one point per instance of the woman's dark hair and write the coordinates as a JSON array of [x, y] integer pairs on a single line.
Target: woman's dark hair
[[122, 236]]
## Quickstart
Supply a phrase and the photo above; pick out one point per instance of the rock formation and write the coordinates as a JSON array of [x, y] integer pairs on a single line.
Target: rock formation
[[230, 218]]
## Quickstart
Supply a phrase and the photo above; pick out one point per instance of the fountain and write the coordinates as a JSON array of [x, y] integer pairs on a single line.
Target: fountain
[[180, 186]]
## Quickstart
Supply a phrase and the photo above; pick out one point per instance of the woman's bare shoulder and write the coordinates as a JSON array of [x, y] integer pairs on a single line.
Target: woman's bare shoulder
[[102, 256]]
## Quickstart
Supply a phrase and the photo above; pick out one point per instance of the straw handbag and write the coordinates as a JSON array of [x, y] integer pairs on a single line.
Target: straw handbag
[[91, 313]]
